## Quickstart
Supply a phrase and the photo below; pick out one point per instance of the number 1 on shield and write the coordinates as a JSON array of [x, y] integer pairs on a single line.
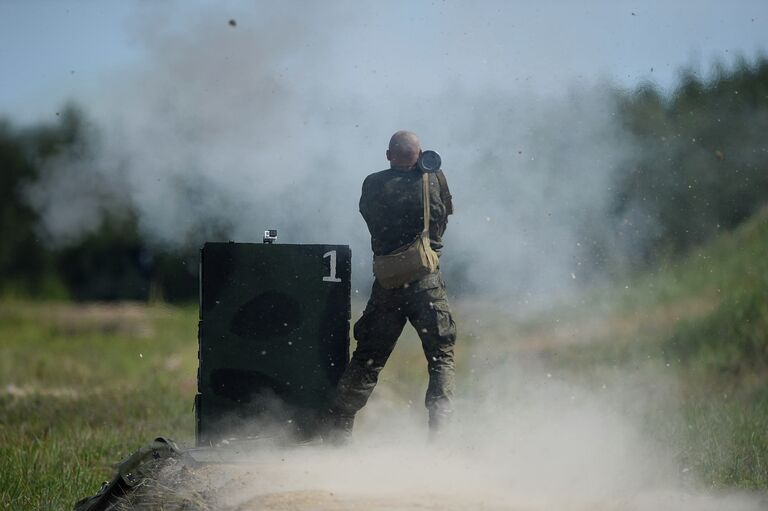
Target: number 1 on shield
[[332, 277]]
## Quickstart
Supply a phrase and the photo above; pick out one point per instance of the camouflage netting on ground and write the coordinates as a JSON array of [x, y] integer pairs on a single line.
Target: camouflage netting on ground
[[156, 476], [171, 485]]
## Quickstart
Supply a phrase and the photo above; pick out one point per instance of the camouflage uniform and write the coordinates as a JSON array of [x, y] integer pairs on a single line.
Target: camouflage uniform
[[391, 206]]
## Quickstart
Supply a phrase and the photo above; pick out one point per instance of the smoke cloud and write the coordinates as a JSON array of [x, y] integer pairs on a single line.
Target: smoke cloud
[[224, 131]]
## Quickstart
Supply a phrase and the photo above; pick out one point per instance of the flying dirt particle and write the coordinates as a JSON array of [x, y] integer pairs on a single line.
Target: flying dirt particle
[[232, 23], [719, 155]]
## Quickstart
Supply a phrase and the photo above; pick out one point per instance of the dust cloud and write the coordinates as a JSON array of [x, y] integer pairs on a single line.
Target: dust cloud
[[529, 441]]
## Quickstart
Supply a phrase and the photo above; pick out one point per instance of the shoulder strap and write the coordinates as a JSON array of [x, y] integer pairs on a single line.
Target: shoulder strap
[[425, 199], [445, 193]]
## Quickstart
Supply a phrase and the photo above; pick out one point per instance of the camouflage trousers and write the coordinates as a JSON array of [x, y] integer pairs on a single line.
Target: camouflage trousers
[[424, 303]]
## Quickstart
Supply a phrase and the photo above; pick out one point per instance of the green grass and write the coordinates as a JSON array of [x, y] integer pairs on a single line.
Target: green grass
[[725, 441], [79, 389]]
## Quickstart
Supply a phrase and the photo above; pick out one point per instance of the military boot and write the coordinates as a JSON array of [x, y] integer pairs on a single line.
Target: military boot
[[337, 428], [439, 421]]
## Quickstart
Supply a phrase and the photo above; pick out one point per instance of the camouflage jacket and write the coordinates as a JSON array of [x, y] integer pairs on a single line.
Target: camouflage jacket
[[391, 206]]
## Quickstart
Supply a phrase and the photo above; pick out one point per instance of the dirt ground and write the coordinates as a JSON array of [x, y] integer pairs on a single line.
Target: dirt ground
[[278, 486], [522, 470]]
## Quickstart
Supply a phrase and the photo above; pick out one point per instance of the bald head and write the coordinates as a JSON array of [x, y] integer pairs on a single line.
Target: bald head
[[404, 149]]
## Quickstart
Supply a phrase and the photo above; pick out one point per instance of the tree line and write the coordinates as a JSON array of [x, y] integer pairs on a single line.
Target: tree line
[[702, 168]]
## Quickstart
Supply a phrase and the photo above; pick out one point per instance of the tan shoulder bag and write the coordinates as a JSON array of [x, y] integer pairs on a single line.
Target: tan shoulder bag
[[413, 261]]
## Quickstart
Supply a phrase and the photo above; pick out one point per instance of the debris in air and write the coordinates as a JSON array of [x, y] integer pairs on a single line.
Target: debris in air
[[232, 23]]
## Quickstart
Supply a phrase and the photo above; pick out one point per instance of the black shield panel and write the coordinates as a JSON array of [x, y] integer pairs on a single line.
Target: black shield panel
[[273, 337]]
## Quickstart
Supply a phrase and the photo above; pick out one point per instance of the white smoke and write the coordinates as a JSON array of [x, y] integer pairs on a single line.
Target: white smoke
[[228, 130]]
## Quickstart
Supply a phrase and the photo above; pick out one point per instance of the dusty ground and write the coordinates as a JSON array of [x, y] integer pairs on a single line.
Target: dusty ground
[[82, 386], [284, 482], [528, 440]]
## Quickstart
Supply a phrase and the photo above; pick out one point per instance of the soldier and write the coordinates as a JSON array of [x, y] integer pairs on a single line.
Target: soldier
[[391, 204]]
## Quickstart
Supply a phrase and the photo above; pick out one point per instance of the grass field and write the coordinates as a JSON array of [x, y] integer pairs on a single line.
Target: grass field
[[83, 385]]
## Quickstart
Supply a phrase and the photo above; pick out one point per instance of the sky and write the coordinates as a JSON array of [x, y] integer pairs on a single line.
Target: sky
[[52, 51]]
